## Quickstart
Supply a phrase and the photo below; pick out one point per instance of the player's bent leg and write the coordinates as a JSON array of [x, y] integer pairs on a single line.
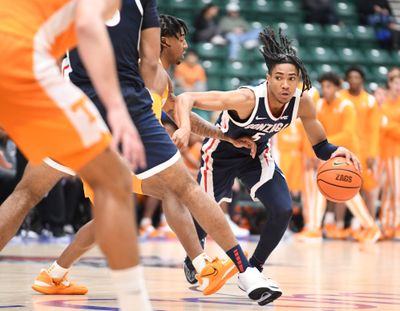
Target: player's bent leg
[[206, 211], [54, 279], [36, 182], [210, 216], [114, 226], [181, 222]]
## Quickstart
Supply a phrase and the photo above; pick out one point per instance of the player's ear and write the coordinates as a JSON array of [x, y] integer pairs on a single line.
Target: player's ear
[[164, 42]]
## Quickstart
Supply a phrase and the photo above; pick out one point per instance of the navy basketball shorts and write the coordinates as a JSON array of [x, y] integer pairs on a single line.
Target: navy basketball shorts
[[161, 152], [221, 163]]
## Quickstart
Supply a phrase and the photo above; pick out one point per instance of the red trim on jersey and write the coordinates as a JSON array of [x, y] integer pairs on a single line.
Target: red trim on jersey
[[265, 156], [65, 68]]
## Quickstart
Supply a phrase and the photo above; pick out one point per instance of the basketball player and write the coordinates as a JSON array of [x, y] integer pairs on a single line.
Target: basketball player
[[368, 130], [173, 46], [261, 112], [38, 107], [338, 116], [165, 172], [390, 155]]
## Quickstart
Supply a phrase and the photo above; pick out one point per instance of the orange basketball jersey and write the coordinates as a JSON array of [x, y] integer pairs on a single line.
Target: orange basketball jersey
[[44, 114]]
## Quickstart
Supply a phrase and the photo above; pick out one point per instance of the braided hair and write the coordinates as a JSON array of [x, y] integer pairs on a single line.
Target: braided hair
[[172, 26], [281, 52]]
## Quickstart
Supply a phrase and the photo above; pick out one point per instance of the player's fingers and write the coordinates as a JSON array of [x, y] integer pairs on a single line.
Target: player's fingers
[[253, 150], [141, 153], [116, 138], [348, 157], [356, 163], [128, 152]]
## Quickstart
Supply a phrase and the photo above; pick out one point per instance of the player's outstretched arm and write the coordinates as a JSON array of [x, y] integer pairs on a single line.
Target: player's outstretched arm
[[95, 48], [317, 136], [204, 128], [242, 101]]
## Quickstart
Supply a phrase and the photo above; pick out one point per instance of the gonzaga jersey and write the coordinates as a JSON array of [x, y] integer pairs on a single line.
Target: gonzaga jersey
[[222, 162], [124, 30], [261, 125]]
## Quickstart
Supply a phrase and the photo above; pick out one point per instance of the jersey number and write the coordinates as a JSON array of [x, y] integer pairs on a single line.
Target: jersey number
[[257, 136]]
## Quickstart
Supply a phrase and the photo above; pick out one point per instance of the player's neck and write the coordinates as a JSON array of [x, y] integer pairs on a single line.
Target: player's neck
[[355, 92], [332, 100], [165, 63]]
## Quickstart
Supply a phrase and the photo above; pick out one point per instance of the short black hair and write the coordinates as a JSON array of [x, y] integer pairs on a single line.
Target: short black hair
[[172, 26], [281, 52], [356, 69], [331, 77]]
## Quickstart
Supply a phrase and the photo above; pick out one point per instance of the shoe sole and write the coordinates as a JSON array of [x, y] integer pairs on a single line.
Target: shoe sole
[[217, 286], [49, 291], [264, 295]]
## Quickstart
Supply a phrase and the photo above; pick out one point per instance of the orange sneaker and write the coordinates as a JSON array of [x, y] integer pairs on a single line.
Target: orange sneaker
[[309, 236], [45, 284], [215, 274], [370, 235], [397, 233], [148, 231], [165, 231], [335, 233], [388, 233]]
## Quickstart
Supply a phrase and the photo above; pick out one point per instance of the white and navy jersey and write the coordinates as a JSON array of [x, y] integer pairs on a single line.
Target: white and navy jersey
[[124, 30], [222, 162], [261, 125]]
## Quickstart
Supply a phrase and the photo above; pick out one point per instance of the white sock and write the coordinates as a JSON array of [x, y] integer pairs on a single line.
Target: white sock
[[56, 271], [329, 218], [200, 262], [340, 224], [163, 220], [145, 221], [131, 290]]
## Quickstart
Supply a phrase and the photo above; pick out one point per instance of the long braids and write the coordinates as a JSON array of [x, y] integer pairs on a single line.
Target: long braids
[[281, 52]]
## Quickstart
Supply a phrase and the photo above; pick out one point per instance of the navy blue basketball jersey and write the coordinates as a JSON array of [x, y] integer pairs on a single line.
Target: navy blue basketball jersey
[[261, 125], [124, 30]]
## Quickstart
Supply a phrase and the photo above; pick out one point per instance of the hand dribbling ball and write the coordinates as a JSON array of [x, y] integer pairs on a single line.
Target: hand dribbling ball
[[338, 180]]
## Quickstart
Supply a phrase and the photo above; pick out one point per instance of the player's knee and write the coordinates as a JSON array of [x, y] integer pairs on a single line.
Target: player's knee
[[285, 211]]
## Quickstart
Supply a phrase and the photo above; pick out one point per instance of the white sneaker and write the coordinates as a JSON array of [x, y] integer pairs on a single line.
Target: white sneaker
[[258, 287], [237, 231]]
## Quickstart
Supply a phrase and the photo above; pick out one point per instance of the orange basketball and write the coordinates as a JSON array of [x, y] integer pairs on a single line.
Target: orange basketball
[[337, 180]]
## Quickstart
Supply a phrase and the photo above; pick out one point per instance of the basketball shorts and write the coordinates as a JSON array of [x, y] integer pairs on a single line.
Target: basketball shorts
[[221, 163]]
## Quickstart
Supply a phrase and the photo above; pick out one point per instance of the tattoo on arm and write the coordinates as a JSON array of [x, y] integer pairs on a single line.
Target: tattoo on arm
[[201, 127], [206, 129]]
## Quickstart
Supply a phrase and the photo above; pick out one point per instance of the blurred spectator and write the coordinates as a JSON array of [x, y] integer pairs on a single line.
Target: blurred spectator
[[237, 30], [368, 123], [320, 11], [206, 26], [384, 23], [366, 8], [190, 76], [390, 157]]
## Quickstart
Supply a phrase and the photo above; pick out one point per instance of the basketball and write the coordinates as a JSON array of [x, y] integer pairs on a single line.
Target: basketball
[[337, 180]]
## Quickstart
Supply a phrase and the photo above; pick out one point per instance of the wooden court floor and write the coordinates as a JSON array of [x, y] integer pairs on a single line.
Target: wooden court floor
[[329, 276]]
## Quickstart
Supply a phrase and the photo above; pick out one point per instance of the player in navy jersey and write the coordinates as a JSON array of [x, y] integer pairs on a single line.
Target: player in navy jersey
[[261, 112], [165, 172]]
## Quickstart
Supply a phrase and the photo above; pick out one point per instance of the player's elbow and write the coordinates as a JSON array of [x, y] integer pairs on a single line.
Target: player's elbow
[[150, 64], [84, 27]]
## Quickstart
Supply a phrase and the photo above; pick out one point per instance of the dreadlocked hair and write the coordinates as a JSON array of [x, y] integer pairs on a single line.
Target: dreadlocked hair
[[281, 52], [172, 26]]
